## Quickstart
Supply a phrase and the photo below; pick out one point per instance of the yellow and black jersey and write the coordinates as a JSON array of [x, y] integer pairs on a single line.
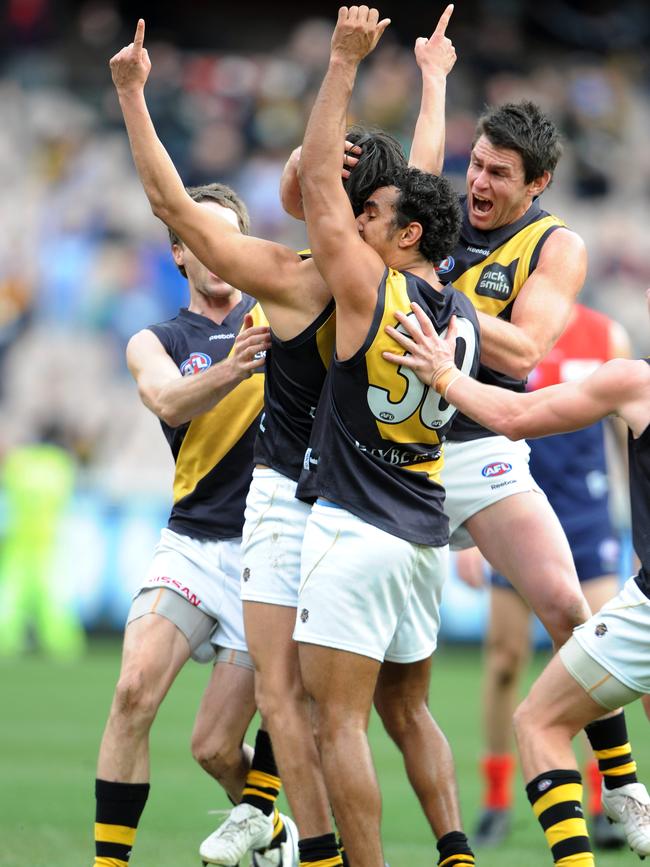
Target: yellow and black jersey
[[295, 373], [490, 268], [214, 451], [376, 445], [639, 462]]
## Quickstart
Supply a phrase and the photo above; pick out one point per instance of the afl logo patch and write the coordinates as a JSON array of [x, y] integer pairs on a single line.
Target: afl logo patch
[[446, 265], [197, 362], [600, 630], [304, 615], [500, 468]]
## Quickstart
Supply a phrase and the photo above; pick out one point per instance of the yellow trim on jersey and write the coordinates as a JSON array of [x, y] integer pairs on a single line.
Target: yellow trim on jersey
[[213, 434], [520, 247], [325, 339], [433, 469], [115, 834]]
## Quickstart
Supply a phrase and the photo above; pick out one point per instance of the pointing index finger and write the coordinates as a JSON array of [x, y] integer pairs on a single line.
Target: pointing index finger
[[441, 26], [138, 39]]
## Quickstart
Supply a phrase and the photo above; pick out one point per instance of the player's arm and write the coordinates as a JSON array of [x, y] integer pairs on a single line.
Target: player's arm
[[435, 57], [177, 399], [261, 268], [290, 192], [619, 386], [541, 310], [350, 267]]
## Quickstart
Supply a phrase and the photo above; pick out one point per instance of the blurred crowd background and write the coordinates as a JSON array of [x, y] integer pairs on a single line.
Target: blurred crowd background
[[84, 264]]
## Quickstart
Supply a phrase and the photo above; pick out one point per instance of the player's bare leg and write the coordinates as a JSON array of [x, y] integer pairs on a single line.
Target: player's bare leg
[[402, 701], [604, 835], [154, 651], [545, 723], [522, 539], [287, 712], [342, 685], [226, 709]]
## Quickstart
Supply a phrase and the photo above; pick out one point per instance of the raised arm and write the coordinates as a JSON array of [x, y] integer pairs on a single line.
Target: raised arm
[[290, 192], [435, 57], [177, 399], [351, 268], [619, 386], [266, 270], [541, 310]]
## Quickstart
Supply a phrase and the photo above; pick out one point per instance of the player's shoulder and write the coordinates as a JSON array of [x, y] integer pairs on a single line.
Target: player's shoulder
[[459, 303], [562, 241]]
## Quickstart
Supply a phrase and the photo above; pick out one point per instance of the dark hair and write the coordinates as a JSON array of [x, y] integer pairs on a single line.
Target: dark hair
[[524, 128], [431, 201], [222, 195], [381, 155]]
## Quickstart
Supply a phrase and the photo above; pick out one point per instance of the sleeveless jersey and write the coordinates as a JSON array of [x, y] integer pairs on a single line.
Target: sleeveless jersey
[[571, 468], [490, 268], [214, 451], [295, 373], [639, 457], [376, 446]]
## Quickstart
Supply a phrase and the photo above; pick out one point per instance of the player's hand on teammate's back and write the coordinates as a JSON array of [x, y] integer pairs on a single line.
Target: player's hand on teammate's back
[[248, 354], [427, 352], [437, 53], [357, 32], [130, 67]]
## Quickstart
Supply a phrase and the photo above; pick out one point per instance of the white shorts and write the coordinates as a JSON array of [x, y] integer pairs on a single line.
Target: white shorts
[[366, 591], [481, 472], [274, 527], [206, 574], [618, 638]]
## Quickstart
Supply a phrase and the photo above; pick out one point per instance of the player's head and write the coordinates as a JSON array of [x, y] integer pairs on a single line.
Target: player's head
[[411, 213], [221, 195], [381, 154], [514, 153]]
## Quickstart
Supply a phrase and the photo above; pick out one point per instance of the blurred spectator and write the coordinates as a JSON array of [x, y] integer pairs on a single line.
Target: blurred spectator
[[83, 264]]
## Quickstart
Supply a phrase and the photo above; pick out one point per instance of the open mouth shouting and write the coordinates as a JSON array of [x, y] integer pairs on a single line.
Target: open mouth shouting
[[480, 205]]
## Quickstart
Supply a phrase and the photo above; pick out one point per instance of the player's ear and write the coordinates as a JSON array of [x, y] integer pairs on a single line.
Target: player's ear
[[538, 186], [178, 252], [410, 235]]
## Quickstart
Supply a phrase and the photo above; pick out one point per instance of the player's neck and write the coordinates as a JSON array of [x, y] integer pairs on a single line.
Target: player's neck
[[421, 268], [214, 307]]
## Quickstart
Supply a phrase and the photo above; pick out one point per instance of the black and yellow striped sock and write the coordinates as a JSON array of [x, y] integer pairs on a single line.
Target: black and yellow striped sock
[[341, 848], [556, 799], [609, 741], [455, 850], [263, 785], [118, 811], [319, 852]]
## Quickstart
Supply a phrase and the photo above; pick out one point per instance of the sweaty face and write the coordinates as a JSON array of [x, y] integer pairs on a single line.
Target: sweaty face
[[376, 224], [199, 277], [496, 191]]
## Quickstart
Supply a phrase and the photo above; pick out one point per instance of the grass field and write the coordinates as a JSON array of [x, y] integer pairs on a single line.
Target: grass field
[[51, 720]]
